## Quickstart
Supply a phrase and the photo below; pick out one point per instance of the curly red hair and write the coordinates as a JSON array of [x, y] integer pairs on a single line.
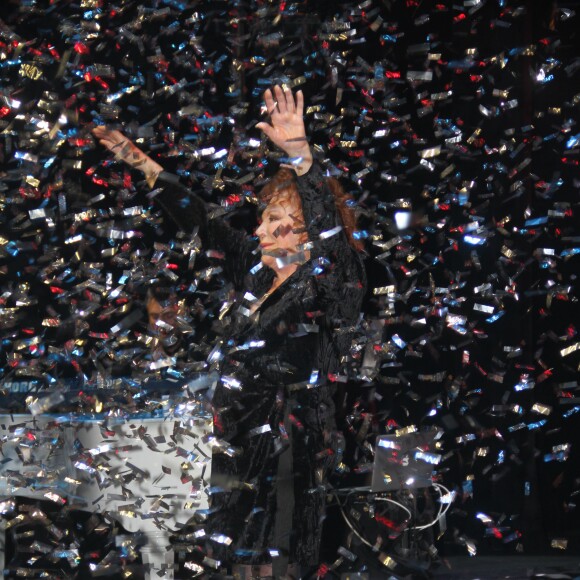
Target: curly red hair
[[282, 187]]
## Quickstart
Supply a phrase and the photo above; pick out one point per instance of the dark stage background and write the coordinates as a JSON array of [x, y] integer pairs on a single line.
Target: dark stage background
[[461, 117]]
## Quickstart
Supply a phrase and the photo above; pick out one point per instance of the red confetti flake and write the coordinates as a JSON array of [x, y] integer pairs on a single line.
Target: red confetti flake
[[53, 52], [296, 421], [314, 314], [478, 367], [217, 424], [545, 375], [101, 82], [525, 367], [386, 522], [81, 48], [70, 102], [79, 142], [30, 192], [233, 198]]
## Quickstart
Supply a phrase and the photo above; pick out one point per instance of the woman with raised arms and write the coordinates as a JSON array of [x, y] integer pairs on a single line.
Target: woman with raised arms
[[274, 407]]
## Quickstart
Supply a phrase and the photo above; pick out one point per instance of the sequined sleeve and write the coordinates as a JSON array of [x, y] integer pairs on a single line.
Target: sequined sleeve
[[188, 210]]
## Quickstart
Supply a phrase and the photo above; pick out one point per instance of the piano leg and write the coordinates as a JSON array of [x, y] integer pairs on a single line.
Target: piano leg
[[158, 556]]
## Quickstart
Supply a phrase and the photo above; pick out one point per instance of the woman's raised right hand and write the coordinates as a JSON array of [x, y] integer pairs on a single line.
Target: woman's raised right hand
[[127, 151]]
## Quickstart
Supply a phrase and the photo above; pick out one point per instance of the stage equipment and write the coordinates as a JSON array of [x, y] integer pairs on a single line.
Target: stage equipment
[[391, 521]]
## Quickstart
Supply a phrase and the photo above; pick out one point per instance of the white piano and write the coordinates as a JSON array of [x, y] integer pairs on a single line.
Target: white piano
[[148, 473]]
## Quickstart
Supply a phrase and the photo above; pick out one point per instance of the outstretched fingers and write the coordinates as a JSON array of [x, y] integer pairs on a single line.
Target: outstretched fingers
[[280, 99], [290, 104], [101, 130], [300, 103], [111, 139], [269, 101]]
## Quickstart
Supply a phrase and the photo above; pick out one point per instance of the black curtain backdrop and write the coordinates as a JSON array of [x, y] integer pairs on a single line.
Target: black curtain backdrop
[[462, 115]]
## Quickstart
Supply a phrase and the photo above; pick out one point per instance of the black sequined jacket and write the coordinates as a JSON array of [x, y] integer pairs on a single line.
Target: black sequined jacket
[[274, 408]]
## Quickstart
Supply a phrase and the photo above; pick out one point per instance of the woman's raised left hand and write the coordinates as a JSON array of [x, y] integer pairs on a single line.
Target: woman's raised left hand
[[287, 129]]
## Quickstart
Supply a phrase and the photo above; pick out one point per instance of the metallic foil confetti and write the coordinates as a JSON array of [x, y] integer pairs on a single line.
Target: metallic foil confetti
[[462, 152]]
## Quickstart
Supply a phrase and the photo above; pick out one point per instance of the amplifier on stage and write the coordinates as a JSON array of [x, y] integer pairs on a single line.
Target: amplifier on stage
[[405, 461]]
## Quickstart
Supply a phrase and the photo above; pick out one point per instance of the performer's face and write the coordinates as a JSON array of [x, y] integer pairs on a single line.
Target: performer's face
[[281, 231], [167, 315]]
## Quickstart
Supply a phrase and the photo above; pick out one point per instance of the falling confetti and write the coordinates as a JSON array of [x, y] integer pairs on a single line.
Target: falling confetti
[[454, 127]]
